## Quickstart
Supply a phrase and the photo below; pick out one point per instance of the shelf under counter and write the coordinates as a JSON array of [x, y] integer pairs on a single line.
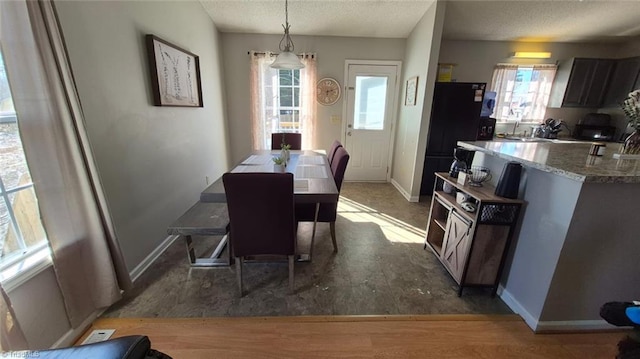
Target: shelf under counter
[[451, 200], [485, 192]]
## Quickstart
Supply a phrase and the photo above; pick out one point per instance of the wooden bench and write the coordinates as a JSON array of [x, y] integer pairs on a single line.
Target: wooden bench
[[204, 219]]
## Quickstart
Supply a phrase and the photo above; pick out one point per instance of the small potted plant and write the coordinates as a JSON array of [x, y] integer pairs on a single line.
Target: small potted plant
[[278, 164]]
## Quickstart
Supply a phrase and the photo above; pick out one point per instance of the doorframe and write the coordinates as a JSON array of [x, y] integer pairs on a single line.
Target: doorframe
[[394, 113]]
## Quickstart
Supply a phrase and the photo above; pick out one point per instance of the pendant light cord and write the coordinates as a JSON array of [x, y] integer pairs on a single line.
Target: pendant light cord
[[286, 39]]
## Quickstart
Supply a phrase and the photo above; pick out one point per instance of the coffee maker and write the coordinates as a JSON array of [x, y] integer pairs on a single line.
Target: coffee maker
[[462, 161]]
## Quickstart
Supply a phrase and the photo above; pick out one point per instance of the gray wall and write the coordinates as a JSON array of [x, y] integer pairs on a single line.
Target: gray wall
[[598, 263], [40, 310], [413, 121], [332, 53], [153, 161]]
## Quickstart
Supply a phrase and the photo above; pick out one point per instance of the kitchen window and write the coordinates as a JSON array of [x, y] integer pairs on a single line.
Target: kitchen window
[[522, 91]]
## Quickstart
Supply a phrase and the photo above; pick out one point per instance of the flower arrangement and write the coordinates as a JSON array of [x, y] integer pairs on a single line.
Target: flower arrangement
[[631, 108], [283, 144]]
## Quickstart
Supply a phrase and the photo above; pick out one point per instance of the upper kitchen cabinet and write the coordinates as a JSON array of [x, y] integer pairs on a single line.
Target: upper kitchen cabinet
[[581, 82], [623, 80]]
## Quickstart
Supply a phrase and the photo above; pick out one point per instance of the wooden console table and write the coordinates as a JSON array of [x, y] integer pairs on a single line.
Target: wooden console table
[[471, 245]]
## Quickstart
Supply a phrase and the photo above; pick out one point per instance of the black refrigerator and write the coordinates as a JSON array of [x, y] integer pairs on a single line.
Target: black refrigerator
[[455, 116]]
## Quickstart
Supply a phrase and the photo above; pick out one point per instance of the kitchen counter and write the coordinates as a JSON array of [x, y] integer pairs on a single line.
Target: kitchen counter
[[577, 246], [564, 158]]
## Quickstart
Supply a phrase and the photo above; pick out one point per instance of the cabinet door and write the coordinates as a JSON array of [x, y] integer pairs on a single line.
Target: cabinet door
[[456, 245], [623, 80], [598, 84], [579, 81]]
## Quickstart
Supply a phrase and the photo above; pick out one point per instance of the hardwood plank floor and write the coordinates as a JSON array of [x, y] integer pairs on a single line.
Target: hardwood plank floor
[[428, 336]]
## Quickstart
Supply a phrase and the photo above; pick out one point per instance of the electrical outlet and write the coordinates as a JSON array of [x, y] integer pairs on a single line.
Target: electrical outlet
[[99, 336]]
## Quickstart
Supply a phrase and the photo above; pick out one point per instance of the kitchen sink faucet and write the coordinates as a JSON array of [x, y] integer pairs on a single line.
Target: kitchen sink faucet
[[515, 125]]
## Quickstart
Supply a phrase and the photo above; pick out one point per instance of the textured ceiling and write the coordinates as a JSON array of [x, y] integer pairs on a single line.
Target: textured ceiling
[[364, 18], [548, 21], [514, 20]]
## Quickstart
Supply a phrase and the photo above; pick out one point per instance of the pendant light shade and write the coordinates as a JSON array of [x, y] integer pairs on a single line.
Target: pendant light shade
[[286, 60]]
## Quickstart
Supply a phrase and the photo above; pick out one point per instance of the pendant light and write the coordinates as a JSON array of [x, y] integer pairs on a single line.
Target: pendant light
[[286, 60]]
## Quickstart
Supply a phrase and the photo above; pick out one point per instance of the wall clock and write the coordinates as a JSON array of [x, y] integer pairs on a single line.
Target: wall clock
[[328, 91]]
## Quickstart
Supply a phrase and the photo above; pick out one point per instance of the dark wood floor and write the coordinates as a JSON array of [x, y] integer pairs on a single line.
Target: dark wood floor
[[433, 336]]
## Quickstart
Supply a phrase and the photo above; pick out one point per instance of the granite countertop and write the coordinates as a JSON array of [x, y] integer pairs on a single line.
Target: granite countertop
[[564, 158]]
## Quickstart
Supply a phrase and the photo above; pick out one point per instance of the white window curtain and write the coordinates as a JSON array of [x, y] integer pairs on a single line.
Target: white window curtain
[[522, 91], [308, 104], [264, 99], [88, 264]]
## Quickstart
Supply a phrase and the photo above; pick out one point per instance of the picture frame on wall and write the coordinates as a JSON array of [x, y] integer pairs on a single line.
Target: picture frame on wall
[[175, 74], [411, 91]]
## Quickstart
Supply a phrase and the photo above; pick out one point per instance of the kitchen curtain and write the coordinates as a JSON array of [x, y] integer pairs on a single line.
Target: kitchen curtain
[[265, 105], [88, 265], [522, 91]]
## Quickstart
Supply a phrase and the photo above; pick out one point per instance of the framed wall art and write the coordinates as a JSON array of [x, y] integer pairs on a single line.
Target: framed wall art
[[411, 91], [175, 74]]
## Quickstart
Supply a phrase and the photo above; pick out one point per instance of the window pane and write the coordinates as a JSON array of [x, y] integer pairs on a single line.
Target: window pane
[[296, 77], [286, 96], [370, 103], [8, 240], [27, 213], [285, 77], [296, 96], [13, 165]]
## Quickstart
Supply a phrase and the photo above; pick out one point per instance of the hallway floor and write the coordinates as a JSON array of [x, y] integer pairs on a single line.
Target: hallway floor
[[380, 268]]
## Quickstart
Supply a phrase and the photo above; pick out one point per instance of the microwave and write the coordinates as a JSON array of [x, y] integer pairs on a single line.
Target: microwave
[[594, 133]]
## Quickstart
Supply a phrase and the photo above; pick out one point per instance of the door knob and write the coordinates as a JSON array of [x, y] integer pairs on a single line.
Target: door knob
[[349, 125], [349, 133]]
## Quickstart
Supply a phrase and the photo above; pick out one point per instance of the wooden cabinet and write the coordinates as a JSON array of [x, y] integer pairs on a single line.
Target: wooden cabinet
[[581, 82], [471, 245], [456, 244], [623, 80]]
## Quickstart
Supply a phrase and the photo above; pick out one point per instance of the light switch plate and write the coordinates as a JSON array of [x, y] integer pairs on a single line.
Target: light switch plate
[[99, 335]]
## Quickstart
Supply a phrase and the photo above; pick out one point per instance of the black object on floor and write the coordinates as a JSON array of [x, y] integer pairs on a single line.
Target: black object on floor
[[616, 313]]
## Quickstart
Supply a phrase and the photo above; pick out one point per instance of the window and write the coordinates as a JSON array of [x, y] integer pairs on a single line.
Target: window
[[522, 91], [286, 104], [370, 101], [22, 236], [282, 100]]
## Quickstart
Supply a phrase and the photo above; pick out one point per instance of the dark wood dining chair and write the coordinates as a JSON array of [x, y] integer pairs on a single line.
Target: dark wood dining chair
[[261, 217], [332, 151], [328, 212], [293, 139]]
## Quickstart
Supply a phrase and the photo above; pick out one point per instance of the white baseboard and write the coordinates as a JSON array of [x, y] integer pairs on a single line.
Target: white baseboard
[[512, 303], [142, 267], [70, 337], [551, 326], [404, 193]]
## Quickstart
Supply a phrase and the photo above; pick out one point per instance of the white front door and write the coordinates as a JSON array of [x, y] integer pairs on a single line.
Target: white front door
[[370, 105]]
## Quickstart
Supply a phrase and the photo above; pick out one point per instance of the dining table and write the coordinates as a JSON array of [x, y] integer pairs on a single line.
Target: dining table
[[313, 183]]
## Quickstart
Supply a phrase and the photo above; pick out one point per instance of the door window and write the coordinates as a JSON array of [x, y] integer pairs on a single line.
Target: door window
[[370, 102]]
